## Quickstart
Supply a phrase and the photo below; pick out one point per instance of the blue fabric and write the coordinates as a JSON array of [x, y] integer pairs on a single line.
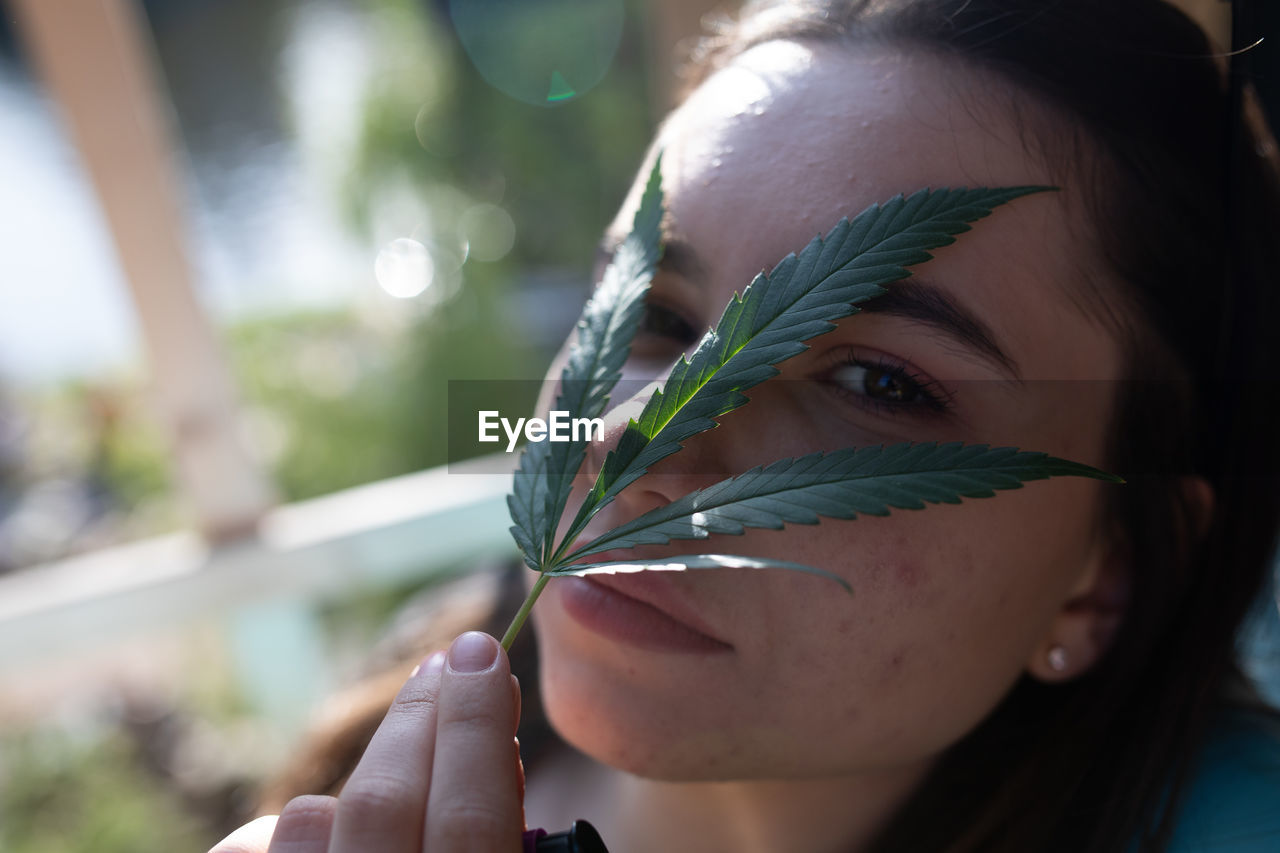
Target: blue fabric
[[1233, 802]]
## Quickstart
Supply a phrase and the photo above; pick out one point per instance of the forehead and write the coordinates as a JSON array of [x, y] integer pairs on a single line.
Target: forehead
[[791, 136], [815, 131]]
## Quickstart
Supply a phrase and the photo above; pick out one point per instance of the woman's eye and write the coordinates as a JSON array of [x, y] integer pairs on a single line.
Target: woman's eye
[[877, 383], [665, 323], [884, 386]]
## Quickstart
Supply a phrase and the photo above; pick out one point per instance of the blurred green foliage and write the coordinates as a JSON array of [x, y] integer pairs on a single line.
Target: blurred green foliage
[[438, 140], [332, 404], [560, 170], [70, 796], [340, 397], [345, 396]]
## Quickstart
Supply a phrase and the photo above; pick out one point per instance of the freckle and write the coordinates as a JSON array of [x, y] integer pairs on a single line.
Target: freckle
[[909, 575], [891, 669]]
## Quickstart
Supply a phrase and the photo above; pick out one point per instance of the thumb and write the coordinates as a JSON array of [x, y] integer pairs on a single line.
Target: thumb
[[474, 802]]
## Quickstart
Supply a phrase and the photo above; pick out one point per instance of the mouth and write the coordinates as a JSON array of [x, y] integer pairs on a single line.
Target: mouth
[[642, 609]]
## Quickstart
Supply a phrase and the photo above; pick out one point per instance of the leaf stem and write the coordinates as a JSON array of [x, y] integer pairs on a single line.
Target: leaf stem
[[518, 622]]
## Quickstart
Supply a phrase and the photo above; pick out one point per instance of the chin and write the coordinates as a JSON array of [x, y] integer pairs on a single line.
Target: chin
[[656, 736], [626, 729]]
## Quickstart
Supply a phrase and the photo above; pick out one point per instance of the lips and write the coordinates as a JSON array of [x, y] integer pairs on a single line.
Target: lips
[[646, 609]]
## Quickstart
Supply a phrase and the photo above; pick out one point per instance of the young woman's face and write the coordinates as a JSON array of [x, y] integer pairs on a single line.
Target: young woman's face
[[750, 674]]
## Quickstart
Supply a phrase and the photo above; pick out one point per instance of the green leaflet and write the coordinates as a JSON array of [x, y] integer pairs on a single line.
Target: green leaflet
[[681, 562], [800, 299], [544, 478], [841, 484]]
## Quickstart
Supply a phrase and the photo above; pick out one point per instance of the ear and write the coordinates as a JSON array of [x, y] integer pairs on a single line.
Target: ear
[[1082, 631], [1088, 619]]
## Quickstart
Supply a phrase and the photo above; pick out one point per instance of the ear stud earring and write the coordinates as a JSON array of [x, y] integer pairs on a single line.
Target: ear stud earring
[[1057, 659]]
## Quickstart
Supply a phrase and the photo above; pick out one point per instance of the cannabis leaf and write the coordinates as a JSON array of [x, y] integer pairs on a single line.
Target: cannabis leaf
[[841, 484], [799, 299], [545, 475]]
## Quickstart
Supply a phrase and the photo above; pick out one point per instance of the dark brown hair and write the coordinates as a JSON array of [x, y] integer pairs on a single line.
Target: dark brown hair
[[1180, 182]]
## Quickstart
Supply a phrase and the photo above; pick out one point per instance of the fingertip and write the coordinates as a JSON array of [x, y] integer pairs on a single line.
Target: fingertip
[[253, 837], [431, 667], [474, 652]]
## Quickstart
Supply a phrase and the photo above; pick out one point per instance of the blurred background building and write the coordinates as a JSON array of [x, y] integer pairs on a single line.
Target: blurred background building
[[244, 247]]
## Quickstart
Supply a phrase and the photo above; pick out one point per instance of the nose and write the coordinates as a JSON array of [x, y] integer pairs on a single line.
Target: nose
[[699, 464]]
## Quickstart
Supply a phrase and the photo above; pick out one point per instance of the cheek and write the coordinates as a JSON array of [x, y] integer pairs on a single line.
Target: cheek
[[946, 608], [883, 672]]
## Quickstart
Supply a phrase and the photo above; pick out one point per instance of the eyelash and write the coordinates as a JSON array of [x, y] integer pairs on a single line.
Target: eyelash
[[673, 325], [932, 397]]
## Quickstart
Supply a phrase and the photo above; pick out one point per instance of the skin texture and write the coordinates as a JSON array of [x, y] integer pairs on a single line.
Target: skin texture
[[951, 605]]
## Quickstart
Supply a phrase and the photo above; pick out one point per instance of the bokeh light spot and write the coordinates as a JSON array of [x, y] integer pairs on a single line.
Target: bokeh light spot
[[404, 268], [541, 52], [489, 231]]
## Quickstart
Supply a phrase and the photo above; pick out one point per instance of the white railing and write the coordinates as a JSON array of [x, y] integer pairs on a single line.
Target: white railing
[[267, 590]]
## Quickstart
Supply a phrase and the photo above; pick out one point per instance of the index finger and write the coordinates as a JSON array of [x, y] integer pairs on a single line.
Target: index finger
[[382, 805]]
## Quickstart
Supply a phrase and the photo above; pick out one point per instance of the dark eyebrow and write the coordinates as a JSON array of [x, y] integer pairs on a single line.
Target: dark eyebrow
[[912, 299], [678, 257], [915, 299]]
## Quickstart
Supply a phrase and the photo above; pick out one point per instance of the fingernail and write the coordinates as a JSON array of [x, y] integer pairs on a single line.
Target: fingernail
[[473, 652], [431, 665]]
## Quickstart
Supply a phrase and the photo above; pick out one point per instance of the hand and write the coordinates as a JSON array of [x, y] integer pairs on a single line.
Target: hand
[[439, 774]]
